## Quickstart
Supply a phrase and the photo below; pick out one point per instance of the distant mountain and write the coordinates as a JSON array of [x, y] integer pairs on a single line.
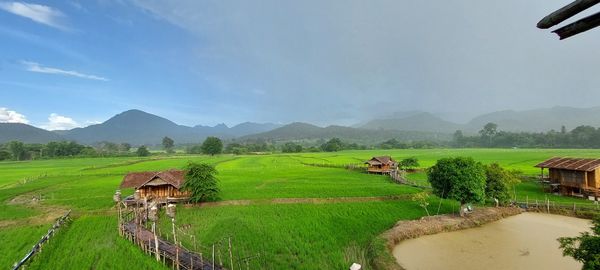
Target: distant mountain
[[248, 128], [26, 133], [135, 127], [415, 121], [138, 127], [538, 120], [304, 131]]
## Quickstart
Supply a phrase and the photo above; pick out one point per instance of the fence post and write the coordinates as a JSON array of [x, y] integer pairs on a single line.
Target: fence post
[[230, 255]]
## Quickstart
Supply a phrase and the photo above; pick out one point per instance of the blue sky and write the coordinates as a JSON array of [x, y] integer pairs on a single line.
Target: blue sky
[[71, 63]]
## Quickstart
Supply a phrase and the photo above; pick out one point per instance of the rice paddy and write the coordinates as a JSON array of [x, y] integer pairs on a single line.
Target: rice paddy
[[283, 233]]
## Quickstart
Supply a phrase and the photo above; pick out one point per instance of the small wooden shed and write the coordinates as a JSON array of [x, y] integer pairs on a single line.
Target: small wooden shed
[[162, 186], [572, 176], [381, 164]]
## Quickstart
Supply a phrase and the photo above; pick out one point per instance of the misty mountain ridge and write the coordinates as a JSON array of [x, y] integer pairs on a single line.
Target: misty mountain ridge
[[138, 127], [305, 131], [535, 120]]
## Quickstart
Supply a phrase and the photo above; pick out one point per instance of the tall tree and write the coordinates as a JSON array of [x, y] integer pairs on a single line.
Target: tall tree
[[168, 144], [409, 163], [212, 146], [333, 145], [459, 178], [488, 132], [17, 149], [291, 147], [142, 151], [201, 181], [498, 182]]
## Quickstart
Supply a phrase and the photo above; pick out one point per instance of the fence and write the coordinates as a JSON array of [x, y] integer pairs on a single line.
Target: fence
[[38, 246], [586, 210], [133, 223]]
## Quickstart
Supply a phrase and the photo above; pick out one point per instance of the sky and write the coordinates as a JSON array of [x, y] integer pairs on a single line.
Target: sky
[[66, 64]]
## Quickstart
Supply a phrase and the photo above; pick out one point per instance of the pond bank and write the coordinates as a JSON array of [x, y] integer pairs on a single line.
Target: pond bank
[[381, 257], [521, 242]]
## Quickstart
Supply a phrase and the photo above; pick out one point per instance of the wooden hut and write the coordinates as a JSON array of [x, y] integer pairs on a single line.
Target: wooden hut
[[162, 187], [572, 176], [382, 164]]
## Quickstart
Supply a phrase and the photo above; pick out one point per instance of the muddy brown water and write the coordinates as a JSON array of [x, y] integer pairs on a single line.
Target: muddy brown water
[[525, 241]]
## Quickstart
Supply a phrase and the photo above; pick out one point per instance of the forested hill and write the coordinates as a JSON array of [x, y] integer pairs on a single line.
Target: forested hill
[[26, 133], [304, 131], [134, 127], [537, 120]]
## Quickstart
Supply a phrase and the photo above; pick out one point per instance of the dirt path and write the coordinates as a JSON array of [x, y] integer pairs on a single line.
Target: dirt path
[[304, 201], [47, 213]]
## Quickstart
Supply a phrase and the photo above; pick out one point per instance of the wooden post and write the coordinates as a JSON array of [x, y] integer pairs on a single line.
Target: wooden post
[[219, 254], [230, 254], [177, 255], [527, 201], [213, 257], [548, 205], [155, 241], [174, 235]]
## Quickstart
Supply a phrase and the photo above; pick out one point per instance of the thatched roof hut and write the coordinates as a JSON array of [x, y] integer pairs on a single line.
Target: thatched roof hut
[[381, 164], [162, 185]]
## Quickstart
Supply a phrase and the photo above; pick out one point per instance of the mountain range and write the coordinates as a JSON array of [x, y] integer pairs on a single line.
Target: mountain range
[[137, 127]]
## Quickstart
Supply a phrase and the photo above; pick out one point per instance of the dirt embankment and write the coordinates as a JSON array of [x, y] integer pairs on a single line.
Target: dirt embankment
[[381, 257]]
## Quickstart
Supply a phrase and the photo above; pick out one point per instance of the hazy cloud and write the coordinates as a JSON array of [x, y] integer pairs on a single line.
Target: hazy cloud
[[37, 13], [8, 116], [59, 122], [35, 67], [340, 61]]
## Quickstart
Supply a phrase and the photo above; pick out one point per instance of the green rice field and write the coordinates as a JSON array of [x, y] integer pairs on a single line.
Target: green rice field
[[276, 223]]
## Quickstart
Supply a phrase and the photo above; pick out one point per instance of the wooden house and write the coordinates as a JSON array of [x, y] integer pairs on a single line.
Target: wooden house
[[572, 176], [382, 164], [162, 187]]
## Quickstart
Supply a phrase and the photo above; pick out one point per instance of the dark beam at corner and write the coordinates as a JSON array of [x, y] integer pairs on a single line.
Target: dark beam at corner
[[577, 27], [565, 13]]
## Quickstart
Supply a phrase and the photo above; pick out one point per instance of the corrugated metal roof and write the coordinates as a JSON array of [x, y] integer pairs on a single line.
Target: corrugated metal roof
[[575, 164]]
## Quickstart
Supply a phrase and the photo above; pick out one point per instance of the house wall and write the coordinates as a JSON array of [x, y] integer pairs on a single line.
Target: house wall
[[593, 180], [568, 177], [162, 191], [376, 168]]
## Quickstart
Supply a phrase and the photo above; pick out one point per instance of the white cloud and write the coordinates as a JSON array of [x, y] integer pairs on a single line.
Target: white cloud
[[37, 13], [36, 67], [92, 122], [7, 116], [59, 122]]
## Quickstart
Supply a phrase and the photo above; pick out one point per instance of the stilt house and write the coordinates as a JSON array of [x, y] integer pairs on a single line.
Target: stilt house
[[382, 164], [162, 187], [572, 176]]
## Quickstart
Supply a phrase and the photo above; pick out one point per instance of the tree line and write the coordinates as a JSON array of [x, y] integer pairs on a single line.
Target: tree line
[[491, 136], [16, 150]]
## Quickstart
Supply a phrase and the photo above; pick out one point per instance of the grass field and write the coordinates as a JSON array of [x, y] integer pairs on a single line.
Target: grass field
[[285, 231]]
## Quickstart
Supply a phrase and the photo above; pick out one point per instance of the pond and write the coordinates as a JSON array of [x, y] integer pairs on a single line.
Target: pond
[[525, 241]]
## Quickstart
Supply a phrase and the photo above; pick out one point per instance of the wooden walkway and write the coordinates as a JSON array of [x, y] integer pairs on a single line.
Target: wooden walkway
[[175, 254]]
